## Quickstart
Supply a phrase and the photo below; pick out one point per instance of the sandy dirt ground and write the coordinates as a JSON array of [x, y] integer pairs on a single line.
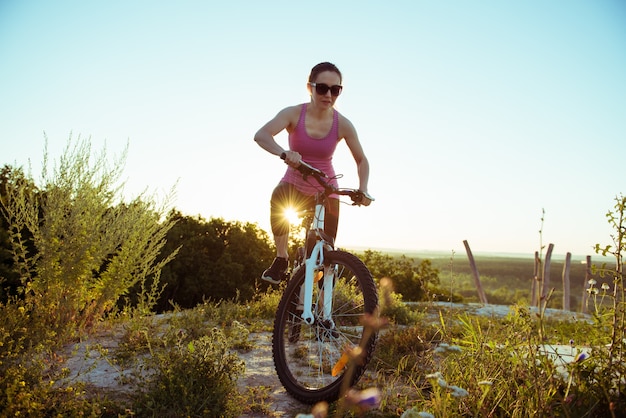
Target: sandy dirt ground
[[89, 362]]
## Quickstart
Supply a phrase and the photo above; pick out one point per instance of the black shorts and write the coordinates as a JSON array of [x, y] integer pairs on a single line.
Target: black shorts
[[285, 195]]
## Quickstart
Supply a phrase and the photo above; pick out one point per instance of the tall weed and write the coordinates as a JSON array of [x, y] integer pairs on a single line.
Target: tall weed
[[90, 246], [77, 248]]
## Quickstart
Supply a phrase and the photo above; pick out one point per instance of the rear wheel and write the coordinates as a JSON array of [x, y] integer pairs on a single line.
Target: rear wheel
[[309, 359]]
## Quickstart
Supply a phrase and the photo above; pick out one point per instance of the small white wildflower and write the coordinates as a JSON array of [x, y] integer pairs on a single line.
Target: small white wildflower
[[439, 378], [592, 282], [414, 413], [444, 348], [595, 290], [409, 413], [605, 286], [441, 348], [458, 392]]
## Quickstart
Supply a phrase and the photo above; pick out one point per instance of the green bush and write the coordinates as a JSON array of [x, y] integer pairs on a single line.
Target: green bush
[[194, 378], [398, 312], [410, 279], [75, 249], [217, 259], [90, 247]]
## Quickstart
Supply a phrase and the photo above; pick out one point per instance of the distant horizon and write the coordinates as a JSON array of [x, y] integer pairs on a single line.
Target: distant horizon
[[556, 256]]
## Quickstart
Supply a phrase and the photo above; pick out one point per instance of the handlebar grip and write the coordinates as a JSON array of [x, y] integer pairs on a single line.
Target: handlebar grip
[[357, 197], [306, 168]]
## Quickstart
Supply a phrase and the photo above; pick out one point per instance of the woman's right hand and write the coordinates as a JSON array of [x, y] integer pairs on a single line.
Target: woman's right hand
[[292, 158]]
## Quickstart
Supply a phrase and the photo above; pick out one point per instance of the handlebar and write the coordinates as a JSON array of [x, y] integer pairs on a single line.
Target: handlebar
[[308, 170]]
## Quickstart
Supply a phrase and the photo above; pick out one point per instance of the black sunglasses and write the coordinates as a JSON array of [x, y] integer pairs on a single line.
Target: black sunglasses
[[322, 89]]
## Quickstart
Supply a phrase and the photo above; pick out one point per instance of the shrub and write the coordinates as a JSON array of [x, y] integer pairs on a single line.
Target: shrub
[[75, 248], [195, 378], [89, 246], [410, 279], [398, 312]]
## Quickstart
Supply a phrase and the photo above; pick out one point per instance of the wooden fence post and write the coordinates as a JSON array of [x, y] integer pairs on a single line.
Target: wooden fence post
[[566, 288], [583, 308], [546, 276], [479, 287]]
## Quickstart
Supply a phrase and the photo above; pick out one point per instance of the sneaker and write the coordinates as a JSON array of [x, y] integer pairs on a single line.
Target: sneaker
[[277, 271]]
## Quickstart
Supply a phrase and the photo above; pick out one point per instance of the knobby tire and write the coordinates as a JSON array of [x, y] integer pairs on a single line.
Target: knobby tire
[[305, 355]]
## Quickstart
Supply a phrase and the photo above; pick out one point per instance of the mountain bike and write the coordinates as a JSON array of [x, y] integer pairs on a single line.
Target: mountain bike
[[319, 317]]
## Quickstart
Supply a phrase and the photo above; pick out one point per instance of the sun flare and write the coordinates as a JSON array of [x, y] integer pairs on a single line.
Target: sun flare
[[292, 216]]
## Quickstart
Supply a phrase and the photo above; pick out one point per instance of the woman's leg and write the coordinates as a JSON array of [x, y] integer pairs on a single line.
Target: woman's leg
[[331, 222], [284, 196], [282, 246]]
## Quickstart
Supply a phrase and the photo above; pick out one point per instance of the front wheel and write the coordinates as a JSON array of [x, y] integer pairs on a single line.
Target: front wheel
[[309, 359]]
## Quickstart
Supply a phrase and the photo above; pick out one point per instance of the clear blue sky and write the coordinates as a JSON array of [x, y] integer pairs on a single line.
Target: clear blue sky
[[475, 115]]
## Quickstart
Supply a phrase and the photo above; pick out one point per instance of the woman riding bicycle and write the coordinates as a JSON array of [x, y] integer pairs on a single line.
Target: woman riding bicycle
[[315, 129]]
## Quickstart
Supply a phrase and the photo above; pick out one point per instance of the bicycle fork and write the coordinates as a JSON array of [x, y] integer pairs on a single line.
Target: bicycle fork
[[314, 262]]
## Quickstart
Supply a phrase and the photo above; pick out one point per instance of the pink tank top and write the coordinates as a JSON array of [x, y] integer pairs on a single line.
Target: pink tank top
[[317, 152]]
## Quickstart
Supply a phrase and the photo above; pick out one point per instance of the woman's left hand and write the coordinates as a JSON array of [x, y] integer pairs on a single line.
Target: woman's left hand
[[365, 199]]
